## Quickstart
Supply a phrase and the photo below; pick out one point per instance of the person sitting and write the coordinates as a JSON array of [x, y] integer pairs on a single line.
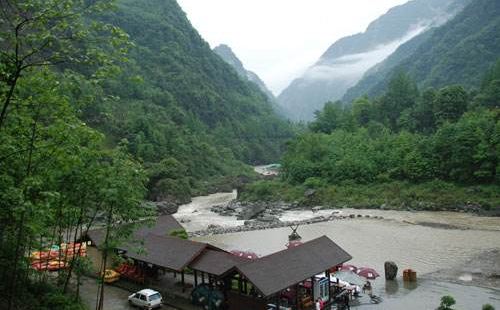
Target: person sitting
[[356, 291], [367, 288]]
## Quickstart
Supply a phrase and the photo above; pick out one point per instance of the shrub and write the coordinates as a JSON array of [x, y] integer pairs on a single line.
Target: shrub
[[446, 303]]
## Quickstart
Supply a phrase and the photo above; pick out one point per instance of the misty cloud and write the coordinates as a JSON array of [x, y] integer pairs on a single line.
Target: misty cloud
[[352, 67]]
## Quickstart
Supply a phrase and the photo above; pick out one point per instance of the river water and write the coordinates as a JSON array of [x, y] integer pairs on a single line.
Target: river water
[[424, 248]]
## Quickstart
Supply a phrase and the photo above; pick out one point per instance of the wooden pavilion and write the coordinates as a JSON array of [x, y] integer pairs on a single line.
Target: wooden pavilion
[[289, 279], [289, 275]]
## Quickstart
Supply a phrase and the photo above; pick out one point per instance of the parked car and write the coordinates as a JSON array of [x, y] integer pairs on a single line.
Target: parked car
[[146, 299]]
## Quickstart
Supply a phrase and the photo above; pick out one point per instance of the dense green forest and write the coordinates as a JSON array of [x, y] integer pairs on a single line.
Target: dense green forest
[[459, 52], [104, 105], [407, 147], [184, 112]]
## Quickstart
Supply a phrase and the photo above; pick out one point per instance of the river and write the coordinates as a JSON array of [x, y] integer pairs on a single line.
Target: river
[[411, 239]]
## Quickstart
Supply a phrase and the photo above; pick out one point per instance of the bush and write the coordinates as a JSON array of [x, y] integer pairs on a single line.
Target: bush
[[446, 303], [179, 233], [488, 307], [315, 183]]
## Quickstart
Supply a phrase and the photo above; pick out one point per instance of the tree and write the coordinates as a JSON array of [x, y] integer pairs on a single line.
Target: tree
[[41, 33], [43, 144], [121, 193], [488, 307], [362, 111], [333, 116], [401, 94], [467, 151], [489, 95], [450, 103], [446, 303], [423, 112]]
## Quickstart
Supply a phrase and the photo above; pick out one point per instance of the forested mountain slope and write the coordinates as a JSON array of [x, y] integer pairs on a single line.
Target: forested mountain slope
[[345, 62], [455, 53], [371, 84], [227, 54], [183, 110]]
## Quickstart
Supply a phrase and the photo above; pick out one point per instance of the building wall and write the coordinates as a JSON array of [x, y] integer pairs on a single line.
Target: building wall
[[243, 302]]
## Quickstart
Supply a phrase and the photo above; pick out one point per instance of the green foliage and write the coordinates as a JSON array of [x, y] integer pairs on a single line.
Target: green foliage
[[401, 140], [48, 297], [332, 117], [401, 94], [428, 196], [177, 101], [446, 303], [179, 233], [488, 307], [55, 175], [450, 103], [362, 111], [489, 95]]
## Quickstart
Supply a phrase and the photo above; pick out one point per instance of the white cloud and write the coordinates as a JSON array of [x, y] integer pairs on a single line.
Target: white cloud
[[353, 66], [279, 39]]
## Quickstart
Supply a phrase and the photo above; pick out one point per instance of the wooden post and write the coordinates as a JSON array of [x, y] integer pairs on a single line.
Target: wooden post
[[240, 284], [245, 285], [182, 281], [297, 297], [278, 301], [327, 273], [195, 278], [312, 289], [203, 277]]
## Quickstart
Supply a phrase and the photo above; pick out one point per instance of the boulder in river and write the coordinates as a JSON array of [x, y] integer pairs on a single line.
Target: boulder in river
[[309, 193], [391, 270], [166, 207], [213, 227], [268, 219], [251, 211]]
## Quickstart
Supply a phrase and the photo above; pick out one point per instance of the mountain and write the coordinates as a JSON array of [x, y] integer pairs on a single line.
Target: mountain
[[227, 54], [183, 111], [346, 61], [374, 81], [455, 53]]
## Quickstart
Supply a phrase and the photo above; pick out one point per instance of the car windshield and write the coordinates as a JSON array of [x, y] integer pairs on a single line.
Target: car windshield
[[155, 296]]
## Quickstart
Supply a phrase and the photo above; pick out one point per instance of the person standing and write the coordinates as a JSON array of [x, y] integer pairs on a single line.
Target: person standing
[[346, 300], [318, 304]]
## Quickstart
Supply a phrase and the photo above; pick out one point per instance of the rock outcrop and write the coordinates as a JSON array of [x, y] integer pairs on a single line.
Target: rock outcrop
[[391, 270]]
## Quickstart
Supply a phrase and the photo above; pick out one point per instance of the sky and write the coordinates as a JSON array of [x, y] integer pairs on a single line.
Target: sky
[[280, 39]]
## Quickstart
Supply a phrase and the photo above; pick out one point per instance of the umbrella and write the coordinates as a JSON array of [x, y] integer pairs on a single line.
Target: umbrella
[[245, 254], [347, 267], [351, 277], [293, 244], [368, 273]]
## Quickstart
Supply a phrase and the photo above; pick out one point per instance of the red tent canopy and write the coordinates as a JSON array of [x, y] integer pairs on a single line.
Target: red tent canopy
[[245, 254]]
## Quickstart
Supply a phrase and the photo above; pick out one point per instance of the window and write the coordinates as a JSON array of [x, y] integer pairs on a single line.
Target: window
[[155, 296], [143, 297]]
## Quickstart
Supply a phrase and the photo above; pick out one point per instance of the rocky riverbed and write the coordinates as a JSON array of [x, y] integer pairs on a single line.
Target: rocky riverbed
[[222, 213], [267, 216]]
